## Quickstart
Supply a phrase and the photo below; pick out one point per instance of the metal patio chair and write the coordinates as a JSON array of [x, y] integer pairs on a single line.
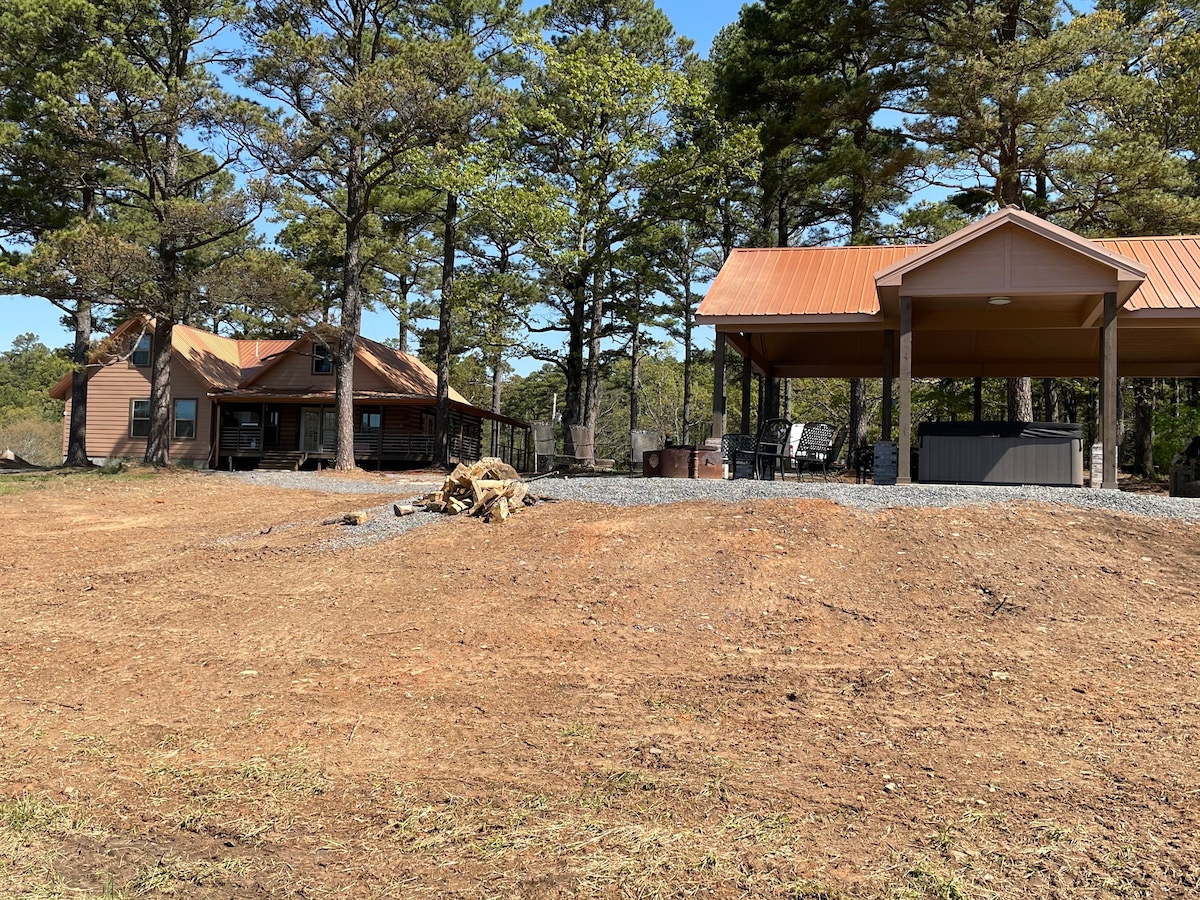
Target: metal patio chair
[[816, 449], [770, 449]]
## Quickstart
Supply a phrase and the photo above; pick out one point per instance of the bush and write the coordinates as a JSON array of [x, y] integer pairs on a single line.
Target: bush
[[33, 439]]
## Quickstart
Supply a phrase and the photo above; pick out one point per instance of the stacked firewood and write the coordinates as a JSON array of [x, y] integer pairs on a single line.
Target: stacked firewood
[[490, 489]]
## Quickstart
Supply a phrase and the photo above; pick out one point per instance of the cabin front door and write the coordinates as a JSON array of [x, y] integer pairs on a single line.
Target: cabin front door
[[310, 429]]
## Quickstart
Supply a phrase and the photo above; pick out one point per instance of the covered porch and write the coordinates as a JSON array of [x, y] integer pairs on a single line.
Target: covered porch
[[1009, 296], [278, 432]]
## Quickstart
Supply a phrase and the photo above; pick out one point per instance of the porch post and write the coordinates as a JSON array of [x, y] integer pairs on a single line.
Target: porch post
[[1108, 386], [747, 374], [718, 399], [889, 363], [978, 399], [904, 470]]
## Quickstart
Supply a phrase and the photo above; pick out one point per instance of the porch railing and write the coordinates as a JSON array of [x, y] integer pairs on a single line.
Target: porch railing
[[239, 440]]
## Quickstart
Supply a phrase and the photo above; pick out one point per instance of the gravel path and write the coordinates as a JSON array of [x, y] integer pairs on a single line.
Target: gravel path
[[623, 491]]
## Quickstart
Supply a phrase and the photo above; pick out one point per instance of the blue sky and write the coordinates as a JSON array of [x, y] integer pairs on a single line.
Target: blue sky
[[699, 20]]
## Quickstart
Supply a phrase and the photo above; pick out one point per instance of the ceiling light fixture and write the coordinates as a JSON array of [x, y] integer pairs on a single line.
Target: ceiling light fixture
[[999, 301]]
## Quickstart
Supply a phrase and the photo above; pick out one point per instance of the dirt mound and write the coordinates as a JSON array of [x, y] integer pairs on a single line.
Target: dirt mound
[[776, 699]]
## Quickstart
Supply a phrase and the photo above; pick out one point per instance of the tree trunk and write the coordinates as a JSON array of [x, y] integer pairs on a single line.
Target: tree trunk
[[1143, 426], [860, 421], [1050, 398], [1020, 399], [158, 445], [402, 323], [441, 453], [591, 400], [688, 326], [572, 413], [635, 373], [81, 319], [80, 356], [351, 312]]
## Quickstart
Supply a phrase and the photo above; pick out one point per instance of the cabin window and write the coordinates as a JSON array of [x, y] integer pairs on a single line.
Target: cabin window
[[322, 360], [185, 419], [139, 418], [141, 353], [370, 419], [428, 423]]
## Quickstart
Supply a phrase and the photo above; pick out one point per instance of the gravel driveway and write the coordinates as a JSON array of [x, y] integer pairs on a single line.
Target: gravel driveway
[[625, 491]]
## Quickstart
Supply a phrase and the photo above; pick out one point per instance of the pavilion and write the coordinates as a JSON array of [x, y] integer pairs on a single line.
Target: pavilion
[[1011, 295]]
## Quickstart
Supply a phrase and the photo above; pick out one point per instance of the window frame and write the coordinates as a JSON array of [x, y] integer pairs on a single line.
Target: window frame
[[133, 419], [137, 350], [324, 357], [175, 420], [365, 414]]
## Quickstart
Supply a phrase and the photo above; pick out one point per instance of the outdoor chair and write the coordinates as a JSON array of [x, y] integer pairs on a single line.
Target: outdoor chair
[[770, 447], [835, 452], [863, 460], [816, 446], [730, 445]]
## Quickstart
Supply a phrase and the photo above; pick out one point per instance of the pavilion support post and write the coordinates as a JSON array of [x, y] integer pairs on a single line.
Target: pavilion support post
[[1108, 386], [904, 468], [978, 399], [747, 374], [718, 399], [889, 365]]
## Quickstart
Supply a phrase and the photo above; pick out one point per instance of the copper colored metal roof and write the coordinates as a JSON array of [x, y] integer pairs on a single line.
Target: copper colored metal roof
[[828, 281], [1173, 264], [253, 355], [800, 281], [405, 371], [215, 358]]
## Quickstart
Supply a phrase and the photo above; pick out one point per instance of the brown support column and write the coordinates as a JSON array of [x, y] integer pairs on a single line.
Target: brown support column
[[978, 399], [889, 364], [904, 470], [718, 400], [747, 374], [1108, 383]]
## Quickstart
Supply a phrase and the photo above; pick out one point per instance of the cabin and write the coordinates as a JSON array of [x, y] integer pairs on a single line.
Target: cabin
[[269, 404]]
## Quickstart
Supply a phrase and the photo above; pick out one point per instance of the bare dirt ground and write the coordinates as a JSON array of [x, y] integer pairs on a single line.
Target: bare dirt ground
[[773, 699]]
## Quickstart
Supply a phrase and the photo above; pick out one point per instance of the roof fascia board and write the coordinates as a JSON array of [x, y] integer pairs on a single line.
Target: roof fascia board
[[766, 321]]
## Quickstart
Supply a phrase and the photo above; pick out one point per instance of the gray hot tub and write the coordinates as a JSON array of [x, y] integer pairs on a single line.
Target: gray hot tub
[[1046, 453]]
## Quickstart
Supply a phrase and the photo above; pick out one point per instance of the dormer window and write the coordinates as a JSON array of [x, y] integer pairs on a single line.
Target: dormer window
[[322, 360], [141, 353]]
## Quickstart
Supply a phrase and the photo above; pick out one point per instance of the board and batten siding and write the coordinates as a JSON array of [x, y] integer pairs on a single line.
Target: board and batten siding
[[111, 389]]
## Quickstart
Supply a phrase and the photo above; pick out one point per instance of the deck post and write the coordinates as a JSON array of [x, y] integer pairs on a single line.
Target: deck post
[[978, 404], [1108, 391], [747, 373], [904, 469], [718, 398], [889, 364]]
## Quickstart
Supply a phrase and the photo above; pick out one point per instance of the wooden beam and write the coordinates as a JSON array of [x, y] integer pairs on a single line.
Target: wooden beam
[[718, 398], [978, 399], [904, 469], [744, 345], [747, 374], [1108, 381], [889, 364], [1093, 311]]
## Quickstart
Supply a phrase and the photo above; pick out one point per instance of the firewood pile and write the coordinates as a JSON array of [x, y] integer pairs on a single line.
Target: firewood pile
[[490, 489]]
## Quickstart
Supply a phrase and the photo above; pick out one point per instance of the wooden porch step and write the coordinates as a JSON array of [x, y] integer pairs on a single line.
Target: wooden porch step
[[282, 460]]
